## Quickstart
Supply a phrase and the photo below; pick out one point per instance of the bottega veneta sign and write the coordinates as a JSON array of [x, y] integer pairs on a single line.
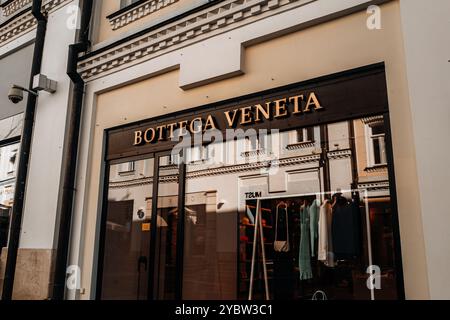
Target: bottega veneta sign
[[273, 110], [348, 95]]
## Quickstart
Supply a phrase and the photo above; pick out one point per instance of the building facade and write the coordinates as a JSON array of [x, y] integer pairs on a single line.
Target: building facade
[[18, 32], [247, 149]]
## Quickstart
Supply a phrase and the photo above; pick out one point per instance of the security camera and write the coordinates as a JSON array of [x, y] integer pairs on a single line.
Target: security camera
[[15, 94]]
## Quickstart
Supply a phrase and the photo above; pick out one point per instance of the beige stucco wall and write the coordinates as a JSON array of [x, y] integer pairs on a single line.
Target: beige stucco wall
[[334, 46], [107, 7]]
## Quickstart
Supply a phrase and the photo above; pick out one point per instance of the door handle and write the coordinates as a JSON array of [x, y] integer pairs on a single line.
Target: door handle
[[142, 261]]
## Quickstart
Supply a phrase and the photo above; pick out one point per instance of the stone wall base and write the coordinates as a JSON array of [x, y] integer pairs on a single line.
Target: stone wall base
[[34, 273]]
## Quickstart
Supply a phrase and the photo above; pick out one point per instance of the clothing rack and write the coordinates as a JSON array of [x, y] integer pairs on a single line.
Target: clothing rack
[[258, 225]]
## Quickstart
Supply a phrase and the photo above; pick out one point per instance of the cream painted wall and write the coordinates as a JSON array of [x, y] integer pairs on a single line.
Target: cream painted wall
[[330, 47], [43, 184], [426, 29]]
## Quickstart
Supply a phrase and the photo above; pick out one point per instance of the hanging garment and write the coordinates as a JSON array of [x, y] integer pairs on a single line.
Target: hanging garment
[[325, 242], [304, 253], [281, 241], [314, 225], [346, 230]]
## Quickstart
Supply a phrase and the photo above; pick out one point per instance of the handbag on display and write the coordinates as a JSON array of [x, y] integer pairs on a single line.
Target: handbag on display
[[281, 245], [319, 295]]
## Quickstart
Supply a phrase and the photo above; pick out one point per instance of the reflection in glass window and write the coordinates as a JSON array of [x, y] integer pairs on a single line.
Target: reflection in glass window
[[221, 203], [376, 144], [127, 233], [127, 167], [324, 218], [305, 135], [126, 3]]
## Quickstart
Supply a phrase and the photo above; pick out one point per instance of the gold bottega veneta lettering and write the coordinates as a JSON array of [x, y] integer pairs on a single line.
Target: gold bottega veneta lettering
[[297, 100], [246, 115], [231, 119], [171, 129], [137, 138], [160, 129], [149, 135], [270, 110], [265, 111], [182, 126], [312, 102], [280, 108], [196, 125], [210, 123]]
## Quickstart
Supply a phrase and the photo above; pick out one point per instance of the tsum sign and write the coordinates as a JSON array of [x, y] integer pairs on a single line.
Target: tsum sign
[[348, 95], [272, 110]]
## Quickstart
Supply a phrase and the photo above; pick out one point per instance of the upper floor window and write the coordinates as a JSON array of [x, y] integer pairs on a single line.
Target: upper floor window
[[301, 136], [376, 144], [12, 161], [252, 144], [126, 3], [305, 135], [126, 167], [200, 153]]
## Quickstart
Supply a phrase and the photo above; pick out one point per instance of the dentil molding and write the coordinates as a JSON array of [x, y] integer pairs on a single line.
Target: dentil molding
[[26, 22], [138, 12], [14, 6], [219, 18]]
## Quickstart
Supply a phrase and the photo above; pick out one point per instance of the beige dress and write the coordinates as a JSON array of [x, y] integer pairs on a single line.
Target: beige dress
[[325, 239]]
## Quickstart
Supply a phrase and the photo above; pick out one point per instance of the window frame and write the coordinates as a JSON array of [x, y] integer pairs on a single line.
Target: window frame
[[370, 147]]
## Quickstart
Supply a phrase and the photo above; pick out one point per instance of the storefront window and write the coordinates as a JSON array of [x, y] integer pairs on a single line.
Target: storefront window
[[297, 205], [8, 167], [313, 240]]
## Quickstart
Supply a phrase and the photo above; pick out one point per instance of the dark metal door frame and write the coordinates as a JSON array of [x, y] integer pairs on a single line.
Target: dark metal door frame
[[152, 276]]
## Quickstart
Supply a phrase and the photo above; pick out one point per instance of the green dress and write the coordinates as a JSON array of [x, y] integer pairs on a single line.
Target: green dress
[[305, 254]]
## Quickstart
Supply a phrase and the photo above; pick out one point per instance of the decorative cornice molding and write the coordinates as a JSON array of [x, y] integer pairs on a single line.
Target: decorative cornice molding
[[372, 120], [219, 171], [138, 12], [220, 17], [339, 154], [253, 153], [14, 6], [378, 168], [374, 186], [131, 183], [300, 145], [26, 22], [17, 27], [253, 166]]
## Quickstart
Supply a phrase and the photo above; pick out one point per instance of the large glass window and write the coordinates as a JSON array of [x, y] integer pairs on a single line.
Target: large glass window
[[305, 221], [8, 167], [126, 3], [286, 195], [315, 223]]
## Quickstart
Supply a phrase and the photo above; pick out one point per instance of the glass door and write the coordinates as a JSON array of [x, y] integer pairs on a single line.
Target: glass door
[[125, 261], [139, 254]]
